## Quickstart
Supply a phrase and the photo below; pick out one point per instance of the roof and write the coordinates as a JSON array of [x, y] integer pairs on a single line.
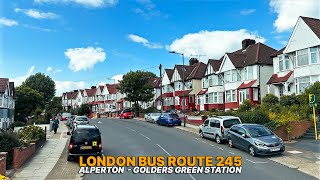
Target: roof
[[155, 82], [3, 84], [169, 73], [313, 23], [254, 54], [69, 95], [91, 92], [278, 52], [215, 64], [244, 85], [184, 68], [182, 93], [101, 88], [81, 90], [276, 79], [112, 88], [198, 71], [203, 91]]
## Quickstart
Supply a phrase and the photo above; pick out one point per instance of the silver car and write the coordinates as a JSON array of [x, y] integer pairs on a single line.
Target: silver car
[[256, 139], [80, 120], [152, 117], [217, 127]]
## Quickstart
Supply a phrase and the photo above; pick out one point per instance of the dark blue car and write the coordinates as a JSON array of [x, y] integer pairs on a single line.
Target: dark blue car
[[169, 119]]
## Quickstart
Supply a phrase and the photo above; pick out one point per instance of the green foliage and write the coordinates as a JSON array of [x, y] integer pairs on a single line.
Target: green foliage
[[30, 133], [17, 124], [38, 111], [273, 125], [286, 118], [48, 116], [27, 101], [43, 84], [245, 106], [84, 109], [270, 100], [257, 116], [289, 100], [8, 140], [55, 105]]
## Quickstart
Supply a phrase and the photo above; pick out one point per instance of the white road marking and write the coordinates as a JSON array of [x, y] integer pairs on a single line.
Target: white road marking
[[131, 129], [99, 122], [294, 152], [197, 139], [212, 145], [231, 152], [145, 136], [221, 149], [164, 150], [256, 162], [192, 177], [250, 160], [204, 142]]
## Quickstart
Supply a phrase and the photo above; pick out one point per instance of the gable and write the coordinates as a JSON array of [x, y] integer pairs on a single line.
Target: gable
[[105, 90], [226, 64], [209, 70], [98, 91], [301, 37], [176, 75], [165, 79]]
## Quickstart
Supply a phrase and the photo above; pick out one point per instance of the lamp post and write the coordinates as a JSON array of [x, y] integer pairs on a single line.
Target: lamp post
[[160, 68], [183, 87]]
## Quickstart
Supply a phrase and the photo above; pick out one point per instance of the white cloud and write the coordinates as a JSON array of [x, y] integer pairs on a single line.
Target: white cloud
[[117, 78], [8, 22], [289, 10], [37, 14], [49, 69], [147, 10], [144, 42], [85, 3], [54, 71], [84, 58], [247, 11], [213, 44], [65, 86], [18, 80], [38, 28]]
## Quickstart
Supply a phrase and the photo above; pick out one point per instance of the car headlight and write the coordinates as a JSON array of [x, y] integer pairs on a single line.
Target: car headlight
[[259, 143], [280, 140]]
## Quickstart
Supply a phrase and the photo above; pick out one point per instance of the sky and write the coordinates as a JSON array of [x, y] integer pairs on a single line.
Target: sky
[[81, 43]]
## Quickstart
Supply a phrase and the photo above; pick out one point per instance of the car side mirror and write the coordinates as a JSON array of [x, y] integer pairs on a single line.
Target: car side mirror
[[68, 133]]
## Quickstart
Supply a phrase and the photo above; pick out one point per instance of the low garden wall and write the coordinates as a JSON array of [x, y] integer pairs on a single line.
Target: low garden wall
[[298, 129], [22, 154], [3, 163]]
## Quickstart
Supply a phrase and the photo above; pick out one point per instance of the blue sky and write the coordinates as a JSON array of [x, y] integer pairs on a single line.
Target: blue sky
[[80, 43]]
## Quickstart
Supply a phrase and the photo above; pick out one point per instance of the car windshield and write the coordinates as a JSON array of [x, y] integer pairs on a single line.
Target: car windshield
[[258, 131], [82, 119], [155, 114], [173, 116], [228, 123], [86, 133]]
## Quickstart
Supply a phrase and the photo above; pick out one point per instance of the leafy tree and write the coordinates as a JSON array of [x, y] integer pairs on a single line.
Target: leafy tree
[[84, 109], [55, 105], [137, 87], [43, 84], [270, 100], [28, 100]]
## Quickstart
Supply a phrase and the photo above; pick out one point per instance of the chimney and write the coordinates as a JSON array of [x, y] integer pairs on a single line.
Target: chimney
[[193, 61], [75, 91], [93, 87], [247, 42]]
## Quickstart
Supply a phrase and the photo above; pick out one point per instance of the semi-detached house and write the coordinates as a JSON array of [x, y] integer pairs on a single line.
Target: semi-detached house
[[7, 103], [167, 89]]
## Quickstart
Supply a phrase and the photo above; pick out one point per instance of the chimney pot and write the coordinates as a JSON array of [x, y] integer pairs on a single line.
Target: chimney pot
[[247, 42], [193, 61]]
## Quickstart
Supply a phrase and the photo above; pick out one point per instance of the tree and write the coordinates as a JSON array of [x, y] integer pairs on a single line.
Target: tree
[[28, 100], [55, 105], [84, 110], [137, 87], [43, 84]]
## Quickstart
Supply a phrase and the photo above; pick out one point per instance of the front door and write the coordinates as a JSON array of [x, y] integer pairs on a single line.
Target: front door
[[201, 102], [243, 95]]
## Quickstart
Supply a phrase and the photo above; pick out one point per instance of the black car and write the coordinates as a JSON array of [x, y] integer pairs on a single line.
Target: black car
[[85, 141]]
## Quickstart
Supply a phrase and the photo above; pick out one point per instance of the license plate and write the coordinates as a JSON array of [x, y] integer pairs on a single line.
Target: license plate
[[85, 147], [275, 149]]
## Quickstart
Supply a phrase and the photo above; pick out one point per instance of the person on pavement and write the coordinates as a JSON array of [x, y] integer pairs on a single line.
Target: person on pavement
[[55, 124]]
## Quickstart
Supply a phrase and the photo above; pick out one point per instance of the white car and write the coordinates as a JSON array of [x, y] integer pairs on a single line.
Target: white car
[[152, 117]]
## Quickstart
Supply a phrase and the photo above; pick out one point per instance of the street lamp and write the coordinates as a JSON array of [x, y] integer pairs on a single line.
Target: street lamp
[[160, 68], [183, 87]]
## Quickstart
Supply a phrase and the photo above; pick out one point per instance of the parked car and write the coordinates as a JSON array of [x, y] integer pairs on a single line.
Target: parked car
[[70, 120], [256, 139], [126, 114], [80, 120], [152, 117], [84, 140], [217, 127], [65, 116], [169, 119]]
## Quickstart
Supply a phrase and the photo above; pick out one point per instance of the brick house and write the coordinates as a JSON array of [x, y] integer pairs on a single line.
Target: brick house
[[7, 103], [297, 65]]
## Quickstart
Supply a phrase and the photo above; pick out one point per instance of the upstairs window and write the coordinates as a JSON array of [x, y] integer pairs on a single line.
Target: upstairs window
[[314, 55], [302, 57]]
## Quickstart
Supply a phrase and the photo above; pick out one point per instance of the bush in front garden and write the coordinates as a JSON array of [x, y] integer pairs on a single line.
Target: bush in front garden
[[17, 124], [289, 100], [8, 140], [245, 106], [270, 100], [30, 133], [257, 116]]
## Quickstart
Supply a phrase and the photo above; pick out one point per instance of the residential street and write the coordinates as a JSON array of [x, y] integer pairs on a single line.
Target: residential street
[[137, 138]]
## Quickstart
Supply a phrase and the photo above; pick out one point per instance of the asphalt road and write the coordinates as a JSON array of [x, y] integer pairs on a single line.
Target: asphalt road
[[138, 138]]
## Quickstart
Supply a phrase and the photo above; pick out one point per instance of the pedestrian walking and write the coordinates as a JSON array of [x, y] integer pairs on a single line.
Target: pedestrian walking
[[55, 125]]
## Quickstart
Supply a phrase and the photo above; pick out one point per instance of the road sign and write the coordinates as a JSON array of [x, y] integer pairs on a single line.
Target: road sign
[[312, 100]]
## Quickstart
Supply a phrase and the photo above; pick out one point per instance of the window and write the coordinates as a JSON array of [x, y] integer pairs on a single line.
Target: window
[[231, 96], [177, 101], [314, 55], [206, 122], [217, 97], [286, 62], [210, 98], [211, 80], [220, 98], [227, 76], [219, 81], [212, 124], [228, 123], [207, 98], [241, 131], [302, 57], [281, 90], [255, 94], [314, 79], [228, 96], [250, 72], [303, 83], [217, 123], [191, 99], [281, 63]]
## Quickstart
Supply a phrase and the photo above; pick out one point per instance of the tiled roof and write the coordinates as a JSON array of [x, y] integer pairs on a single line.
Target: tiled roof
[[313, 23], [250, 84], [155, 82], [12, 89], [82, 91], [91, 92], [215, 64], [276, 79], [169, 73], [203, 91], [198, 71], [278, 52], [112, 88], [254, 54], [69, 95], [187, 69], [74, 95], [3, 84]]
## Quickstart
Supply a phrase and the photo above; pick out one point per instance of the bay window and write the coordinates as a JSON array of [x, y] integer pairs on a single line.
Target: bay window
[[303, 83], [314, 55], [231, 96], [302, 57]]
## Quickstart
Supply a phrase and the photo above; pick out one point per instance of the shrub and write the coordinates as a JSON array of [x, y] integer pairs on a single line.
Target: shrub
[[286, 118], [38, 111], [289, 100], [8, 140], [17, 124], [270, 100], [246, 106], [272, 125], [257, 116], [30, 133]]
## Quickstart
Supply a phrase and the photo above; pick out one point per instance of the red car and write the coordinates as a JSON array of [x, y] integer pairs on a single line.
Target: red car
[[65, 116], [126, 114]]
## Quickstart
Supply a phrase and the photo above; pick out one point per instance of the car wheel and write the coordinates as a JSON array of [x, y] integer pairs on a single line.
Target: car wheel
[[158, 123], [201, 134], [218, 139], [230, 143], [252, 152]]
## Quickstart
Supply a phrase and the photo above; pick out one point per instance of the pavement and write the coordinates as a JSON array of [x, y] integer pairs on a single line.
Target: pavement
[[44, 160], [129, 137]]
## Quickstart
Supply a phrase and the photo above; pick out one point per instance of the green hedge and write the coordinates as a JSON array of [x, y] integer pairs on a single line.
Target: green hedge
[[8, 140], [30, 133]]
